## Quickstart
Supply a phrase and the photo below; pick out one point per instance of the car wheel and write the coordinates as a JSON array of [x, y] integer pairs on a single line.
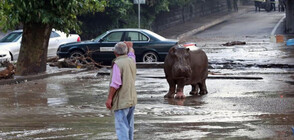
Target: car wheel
[[150, 57], [76, 54]]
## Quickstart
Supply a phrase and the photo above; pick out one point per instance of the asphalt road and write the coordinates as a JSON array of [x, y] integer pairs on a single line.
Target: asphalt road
[[72, 106], [252, 25]]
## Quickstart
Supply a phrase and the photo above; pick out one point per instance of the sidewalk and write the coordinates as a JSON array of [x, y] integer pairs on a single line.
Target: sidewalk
[[200, 24]]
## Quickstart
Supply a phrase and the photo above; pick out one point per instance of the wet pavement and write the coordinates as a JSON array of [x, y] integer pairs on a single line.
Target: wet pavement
[[71, 106]]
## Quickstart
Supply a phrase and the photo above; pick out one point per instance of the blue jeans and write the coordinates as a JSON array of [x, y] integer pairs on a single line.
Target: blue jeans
[[124, 123]]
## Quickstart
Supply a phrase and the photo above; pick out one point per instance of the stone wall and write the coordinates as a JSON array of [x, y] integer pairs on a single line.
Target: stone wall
[[199, 8]]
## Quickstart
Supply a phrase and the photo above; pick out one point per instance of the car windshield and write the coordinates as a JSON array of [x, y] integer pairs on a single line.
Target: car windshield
[[99, 37], [155, 35], [12, 37]]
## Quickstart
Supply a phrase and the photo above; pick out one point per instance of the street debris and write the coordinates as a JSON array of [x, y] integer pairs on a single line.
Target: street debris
[[232, 43], [77, 62], [83, 61], [290, 42], [8, 72], [53, 59]]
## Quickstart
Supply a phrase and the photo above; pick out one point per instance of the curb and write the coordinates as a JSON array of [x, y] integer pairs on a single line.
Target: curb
[[277, 25], [208, 77], [150, 65], [36, 77], [211, 24]]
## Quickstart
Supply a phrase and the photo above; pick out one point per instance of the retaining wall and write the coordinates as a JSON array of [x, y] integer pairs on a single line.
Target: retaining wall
[[199, 8]]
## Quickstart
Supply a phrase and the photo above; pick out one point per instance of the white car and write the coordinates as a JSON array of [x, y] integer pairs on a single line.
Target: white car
[[5, 55], [12, 41]]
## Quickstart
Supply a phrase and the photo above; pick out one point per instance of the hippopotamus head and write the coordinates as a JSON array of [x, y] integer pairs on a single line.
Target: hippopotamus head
[[180, 60]]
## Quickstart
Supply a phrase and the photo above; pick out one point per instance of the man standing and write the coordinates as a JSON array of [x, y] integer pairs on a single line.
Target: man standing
[[235, 3], [122, 96], [273, 4], [281, 5]]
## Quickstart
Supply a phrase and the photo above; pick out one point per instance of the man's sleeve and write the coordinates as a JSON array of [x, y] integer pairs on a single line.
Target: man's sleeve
[[132, 55], [116, 77]]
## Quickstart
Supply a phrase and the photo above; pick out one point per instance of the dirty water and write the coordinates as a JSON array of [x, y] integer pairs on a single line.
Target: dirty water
[[72, 107]]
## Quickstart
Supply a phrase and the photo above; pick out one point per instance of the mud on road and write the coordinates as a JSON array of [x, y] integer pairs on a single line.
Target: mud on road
[[72, 107]]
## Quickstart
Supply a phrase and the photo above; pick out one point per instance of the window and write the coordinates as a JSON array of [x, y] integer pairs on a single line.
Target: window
[[54, 34], [136, 36], [155, 35], [12, 37], [114, 37]]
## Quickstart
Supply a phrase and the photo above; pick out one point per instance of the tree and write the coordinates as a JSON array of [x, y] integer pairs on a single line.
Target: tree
[[115, 15], [38, 17], [123, 14], [289, 16]]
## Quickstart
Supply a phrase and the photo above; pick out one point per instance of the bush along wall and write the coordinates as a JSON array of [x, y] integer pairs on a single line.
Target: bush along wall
[[197, 8], [156, 15]]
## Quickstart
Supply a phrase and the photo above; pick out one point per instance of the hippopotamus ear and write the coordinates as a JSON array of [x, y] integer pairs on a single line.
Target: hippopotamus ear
[[187, 49], [172, 50]]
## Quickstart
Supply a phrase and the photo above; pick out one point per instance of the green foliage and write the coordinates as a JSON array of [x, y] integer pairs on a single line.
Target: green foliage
[[119, 10], [127, 11], [181, 2], [118, 7], [124, 14], [151, 9], [60, 14]]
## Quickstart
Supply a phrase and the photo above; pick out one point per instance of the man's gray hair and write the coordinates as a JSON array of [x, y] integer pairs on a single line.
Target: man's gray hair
[[120, 48]]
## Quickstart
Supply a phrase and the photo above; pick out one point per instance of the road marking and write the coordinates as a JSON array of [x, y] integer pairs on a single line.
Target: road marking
[[277, 25]]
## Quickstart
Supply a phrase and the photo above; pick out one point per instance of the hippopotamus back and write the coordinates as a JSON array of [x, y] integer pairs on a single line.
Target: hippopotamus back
[[186, 66]]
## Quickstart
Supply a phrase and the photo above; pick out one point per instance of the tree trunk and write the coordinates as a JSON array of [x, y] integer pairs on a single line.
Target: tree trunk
[[33, 50], [290, 16]]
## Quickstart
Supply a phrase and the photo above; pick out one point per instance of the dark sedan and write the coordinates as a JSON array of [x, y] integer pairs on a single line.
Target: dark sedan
[[148, 46]]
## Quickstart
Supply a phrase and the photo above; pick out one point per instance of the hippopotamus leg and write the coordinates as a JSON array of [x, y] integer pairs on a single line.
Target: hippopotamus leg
[[172, 88], [194, 90], [180, 93], [203, 89]]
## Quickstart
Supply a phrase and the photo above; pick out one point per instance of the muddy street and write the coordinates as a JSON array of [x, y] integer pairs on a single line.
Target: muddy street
[[72, 107], [250, 95]]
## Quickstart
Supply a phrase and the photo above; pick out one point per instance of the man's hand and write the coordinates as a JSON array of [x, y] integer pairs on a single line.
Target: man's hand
[[108, 103], [130, 46]]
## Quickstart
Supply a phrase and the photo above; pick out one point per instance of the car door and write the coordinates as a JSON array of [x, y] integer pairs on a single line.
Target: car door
[[53, 44], [140, 43], [12, 42], [106, 54]]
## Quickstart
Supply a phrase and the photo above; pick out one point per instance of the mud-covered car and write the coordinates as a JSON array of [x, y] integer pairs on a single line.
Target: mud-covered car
[[148, 46]]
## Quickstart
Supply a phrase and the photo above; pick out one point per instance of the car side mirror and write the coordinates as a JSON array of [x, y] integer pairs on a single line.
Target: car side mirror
[[101, 40]]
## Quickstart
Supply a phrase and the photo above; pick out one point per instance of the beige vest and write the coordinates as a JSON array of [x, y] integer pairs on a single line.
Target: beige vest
[[126, 95]]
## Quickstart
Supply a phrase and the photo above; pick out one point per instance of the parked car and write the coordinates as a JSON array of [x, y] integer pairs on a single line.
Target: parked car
[[12, 42], [5, 55], [148, 46]]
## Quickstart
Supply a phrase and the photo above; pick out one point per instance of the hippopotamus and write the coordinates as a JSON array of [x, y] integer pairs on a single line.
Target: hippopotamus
[[185, 66]]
